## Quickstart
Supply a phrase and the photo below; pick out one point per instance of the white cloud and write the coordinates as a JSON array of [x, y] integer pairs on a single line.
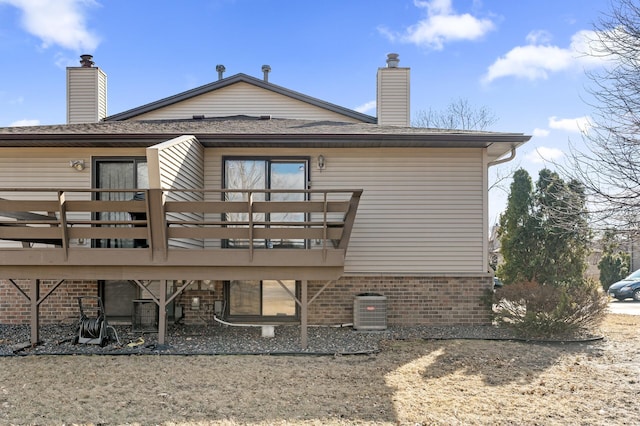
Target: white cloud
[[574, 125], [538, 59], [369, 106], [441, 25], [538, 37], [544, 154], [540, 133], [22, 123], [57, 22]]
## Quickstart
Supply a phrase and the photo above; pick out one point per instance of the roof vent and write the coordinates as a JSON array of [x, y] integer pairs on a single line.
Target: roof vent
[[86, 61], [266, 69], [392, 60], [221, 69]]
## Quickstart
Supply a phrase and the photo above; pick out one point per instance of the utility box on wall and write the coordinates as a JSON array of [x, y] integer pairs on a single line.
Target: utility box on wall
[[370, 312]]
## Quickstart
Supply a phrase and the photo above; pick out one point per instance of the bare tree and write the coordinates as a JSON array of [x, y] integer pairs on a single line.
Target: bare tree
[[459, 115], [609, 166]]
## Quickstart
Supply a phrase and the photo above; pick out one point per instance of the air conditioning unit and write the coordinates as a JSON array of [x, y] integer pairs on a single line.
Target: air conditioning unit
[[370, 312]]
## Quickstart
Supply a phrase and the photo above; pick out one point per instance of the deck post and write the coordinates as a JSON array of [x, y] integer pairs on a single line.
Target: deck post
[[162, 320], [157, 222], [304, 340], [35, 308]]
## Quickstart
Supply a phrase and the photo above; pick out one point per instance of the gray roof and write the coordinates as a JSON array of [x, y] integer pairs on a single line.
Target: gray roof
[[237, 78], [243, 131]]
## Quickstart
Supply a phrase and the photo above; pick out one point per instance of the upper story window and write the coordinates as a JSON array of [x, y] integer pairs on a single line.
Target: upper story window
[[262, 173], [118, 173]]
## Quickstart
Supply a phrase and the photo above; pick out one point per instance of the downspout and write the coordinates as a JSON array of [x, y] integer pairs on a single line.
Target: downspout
[[504, 160], [511, 156]]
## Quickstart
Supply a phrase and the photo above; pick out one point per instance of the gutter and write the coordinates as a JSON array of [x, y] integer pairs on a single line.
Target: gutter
[[504, 160]]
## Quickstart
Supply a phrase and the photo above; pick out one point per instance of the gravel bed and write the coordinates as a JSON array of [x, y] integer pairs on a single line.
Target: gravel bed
[[221, 339]]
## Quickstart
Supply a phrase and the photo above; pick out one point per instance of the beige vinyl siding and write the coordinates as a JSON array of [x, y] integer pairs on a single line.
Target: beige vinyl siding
[[86, 95], [421, 212], [243, 99], [102, 95], [178, 164], [49, 168], [393, 98]]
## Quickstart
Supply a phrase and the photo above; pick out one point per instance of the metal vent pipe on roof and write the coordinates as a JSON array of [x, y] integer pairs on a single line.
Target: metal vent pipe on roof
[[266, 69], [221, 69], [86, 61]]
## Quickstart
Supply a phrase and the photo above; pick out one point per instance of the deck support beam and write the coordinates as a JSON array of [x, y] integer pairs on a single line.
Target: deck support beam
[[35, 311], [304, 316], [162, 316]]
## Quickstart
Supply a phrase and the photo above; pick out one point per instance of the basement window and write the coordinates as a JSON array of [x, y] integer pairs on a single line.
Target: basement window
[[262, 300]]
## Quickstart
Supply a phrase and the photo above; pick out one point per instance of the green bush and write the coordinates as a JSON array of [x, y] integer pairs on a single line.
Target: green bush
[[549, 311], [613, 267]]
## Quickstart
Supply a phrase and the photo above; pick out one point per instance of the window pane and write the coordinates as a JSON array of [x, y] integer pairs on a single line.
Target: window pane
[[276, 301], [288, 175], [244, 174], [143, 175], [244, 298], [117, 174]]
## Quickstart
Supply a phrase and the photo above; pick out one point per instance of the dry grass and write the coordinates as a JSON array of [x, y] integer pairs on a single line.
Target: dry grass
[[409, 382]]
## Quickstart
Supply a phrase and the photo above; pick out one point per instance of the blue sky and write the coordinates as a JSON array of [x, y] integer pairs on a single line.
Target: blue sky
[[524, 60]]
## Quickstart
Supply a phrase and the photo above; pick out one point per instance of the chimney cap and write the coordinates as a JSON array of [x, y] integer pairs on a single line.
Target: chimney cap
[[86, 61], [393, 60]]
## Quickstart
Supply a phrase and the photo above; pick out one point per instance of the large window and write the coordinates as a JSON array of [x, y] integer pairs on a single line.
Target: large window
[[262, 300], [265, 173], [119, 173]]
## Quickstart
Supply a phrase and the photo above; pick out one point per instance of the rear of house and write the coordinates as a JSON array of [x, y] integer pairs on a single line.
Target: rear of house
[[248, 202]]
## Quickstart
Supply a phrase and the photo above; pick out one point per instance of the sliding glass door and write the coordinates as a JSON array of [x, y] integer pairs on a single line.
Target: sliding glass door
[[265, 300], [265, 173], [119, 173]]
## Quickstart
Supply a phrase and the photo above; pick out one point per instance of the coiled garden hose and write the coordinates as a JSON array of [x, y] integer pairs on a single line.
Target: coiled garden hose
[[90, 327]]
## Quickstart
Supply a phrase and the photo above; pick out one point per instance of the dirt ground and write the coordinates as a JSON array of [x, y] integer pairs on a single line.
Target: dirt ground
[[452, 382]]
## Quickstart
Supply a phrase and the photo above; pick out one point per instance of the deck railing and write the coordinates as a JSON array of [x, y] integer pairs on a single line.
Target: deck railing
[[162, 220]]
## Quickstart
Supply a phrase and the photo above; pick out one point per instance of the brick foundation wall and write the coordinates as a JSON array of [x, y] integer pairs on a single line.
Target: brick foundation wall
[[203, 315], [410, 300], [60, 307]]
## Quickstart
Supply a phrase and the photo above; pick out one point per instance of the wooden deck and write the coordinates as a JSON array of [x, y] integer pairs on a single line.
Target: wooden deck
[[182, 239], [165, 235]]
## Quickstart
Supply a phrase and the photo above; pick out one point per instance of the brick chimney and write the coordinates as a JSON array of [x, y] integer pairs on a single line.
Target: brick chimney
[[392, 100], [86, 92]]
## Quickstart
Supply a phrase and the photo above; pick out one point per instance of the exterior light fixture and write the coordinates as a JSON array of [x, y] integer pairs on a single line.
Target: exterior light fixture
[[77, 164], [321, 162]]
